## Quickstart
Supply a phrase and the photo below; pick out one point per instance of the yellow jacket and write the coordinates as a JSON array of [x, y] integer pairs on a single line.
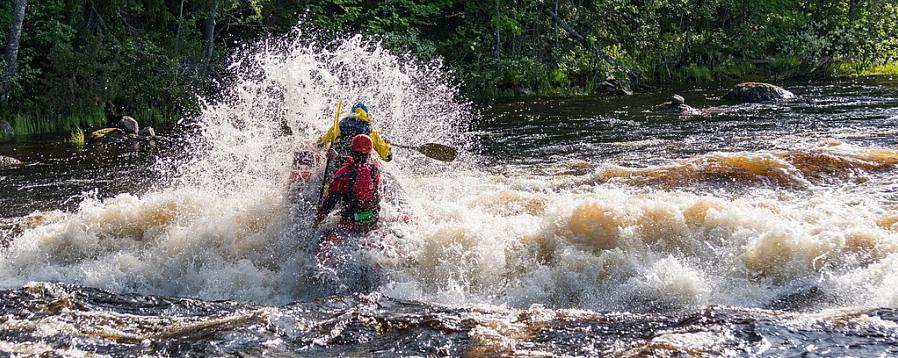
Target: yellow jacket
[[352, 125]]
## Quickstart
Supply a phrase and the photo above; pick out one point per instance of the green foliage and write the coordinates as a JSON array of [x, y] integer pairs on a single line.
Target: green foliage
[[149, 57]]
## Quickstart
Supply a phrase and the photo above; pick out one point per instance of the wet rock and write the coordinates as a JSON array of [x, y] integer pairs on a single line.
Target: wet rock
[[753, 92], [677, 100], [677, 105], [108, 135], [612, 87], [800, 299], [118, 136], [129, 125], [6, 130], [8, 161], [148, 132]]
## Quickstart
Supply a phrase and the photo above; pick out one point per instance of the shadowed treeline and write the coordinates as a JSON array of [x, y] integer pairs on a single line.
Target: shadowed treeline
[[153, 57]]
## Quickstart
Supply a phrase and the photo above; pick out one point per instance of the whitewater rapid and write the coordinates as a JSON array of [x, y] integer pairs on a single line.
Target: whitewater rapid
[[224, 224]]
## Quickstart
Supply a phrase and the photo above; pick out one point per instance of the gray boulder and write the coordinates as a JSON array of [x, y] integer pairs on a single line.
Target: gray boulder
[[611, 87], [8, 161], [677, 105], [147, 132], [677, 100], [754, 92], [6, 130], [521, 90], [129, 125]]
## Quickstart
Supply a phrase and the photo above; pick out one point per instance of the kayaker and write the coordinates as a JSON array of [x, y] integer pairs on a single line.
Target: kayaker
[[357, 122], [356, 186]]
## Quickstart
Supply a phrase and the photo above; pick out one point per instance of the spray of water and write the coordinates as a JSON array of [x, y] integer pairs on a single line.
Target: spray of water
[[227, 226]]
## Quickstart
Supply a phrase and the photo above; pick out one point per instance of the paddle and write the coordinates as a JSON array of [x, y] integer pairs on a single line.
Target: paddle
[[436, 151], [327, 163]]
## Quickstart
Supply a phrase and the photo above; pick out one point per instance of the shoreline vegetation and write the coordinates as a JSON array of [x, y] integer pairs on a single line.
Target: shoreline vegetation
[[153, 59]]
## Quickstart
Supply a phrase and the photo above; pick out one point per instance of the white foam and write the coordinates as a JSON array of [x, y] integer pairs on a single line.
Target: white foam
[[222, 228]]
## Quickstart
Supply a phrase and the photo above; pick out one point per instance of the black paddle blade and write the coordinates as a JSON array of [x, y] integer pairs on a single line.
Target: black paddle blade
[[438, 151]]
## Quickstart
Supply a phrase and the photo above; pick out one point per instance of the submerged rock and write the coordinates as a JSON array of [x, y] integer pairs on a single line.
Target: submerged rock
[[9, 161], [677, 105], [757, 92], [129, 125], [6, 130]]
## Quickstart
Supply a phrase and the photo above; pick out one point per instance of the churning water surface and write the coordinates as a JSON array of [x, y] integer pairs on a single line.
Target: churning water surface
[[569, 226]]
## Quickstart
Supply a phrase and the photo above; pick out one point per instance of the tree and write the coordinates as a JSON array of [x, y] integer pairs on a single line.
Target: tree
[[12, 49]]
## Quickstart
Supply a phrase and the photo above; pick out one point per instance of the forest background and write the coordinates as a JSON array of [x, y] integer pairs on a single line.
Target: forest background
[[153, 58]]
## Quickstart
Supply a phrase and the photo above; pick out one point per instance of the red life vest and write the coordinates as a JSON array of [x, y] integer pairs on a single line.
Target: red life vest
[[364, 193], [361, 190]]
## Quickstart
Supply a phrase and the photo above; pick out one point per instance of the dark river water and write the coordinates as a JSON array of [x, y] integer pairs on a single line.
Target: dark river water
[[584, 226]]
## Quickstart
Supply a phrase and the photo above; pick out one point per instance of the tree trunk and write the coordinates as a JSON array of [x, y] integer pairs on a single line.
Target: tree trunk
[[12, 49], [687, 39], [498, 44], [853, 6], [208, 36], [180, 20], [582, 39], [208, 25]]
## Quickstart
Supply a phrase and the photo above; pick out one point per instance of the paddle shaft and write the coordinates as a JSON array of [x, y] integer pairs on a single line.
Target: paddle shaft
[[327, 165], [436, 151]]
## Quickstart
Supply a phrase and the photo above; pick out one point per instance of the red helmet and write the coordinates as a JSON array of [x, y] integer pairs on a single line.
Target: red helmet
[[361, 144]]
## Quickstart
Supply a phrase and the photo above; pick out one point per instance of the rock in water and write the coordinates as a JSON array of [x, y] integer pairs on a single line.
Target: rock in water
[[612, 88], [757, 92], [677, 100], [108, 135], [8, 161], [677, 105], [521, 90], [147, 132], [682, 109], [129, 125], [6, 130]]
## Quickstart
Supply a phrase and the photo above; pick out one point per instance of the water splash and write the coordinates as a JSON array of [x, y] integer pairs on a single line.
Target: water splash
[[222, 226], [226, 226]]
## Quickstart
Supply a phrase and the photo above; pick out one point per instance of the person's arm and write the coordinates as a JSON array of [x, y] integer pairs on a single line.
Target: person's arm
[[336, 191], [381, 146]]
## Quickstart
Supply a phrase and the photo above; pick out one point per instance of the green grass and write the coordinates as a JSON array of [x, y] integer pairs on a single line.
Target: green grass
[[852, 70], [42, 123], [77, 137], [698, 73], [28, 124]]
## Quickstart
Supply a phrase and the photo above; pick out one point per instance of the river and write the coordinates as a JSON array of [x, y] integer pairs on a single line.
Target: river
[[586, 226]]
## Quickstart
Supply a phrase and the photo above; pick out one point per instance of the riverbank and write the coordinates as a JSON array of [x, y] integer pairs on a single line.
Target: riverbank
[[688, 78]]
